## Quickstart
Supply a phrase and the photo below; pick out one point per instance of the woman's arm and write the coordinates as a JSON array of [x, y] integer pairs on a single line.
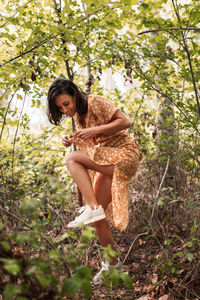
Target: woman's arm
[[117, 123]]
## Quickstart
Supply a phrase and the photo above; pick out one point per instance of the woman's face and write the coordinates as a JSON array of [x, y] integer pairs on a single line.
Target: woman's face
[[66, 104]]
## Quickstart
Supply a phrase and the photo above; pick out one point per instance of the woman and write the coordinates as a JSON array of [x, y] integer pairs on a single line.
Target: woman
[[106, 159]]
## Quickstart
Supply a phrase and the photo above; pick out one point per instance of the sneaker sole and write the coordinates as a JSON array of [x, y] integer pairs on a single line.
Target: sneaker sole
[[97, 218], [97, 283]]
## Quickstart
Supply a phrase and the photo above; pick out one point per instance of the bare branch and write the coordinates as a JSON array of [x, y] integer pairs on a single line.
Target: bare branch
[[64, 41], [15, 137], [170, 29], [189, 59], [8, 106], [15, 217]]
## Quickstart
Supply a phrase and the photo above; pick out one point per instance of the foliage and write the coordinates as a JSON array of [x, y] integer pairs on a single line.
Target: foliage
[[154, 46]]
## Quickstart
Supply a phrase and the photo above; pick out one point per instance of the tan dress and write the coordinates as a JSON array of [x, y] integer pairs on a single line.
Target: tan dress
[[118, 149]]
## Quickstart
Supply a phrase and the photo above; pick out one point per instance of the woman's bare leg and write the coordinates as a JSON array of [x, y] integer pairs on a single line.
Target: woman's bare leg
[[104, 197], [78, 163]]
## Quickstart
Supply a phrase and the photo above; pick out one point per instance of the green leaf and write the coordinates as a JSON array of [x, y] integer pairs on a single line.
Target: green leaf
[[5, 246], [82, 246], [70, 287], [62, 237], [162, 268], [86, 288], [72, 261], [10, 291], [172, 269], [194, 228], [32, 270], [114, 276], [53, 254], [88, 234], [29, 204], [42, 280], [83, 272], [12, 266], [190, 256], [189, 244], [169, 241], [22, 238], [128, 281], [179, 253], [108, 253]]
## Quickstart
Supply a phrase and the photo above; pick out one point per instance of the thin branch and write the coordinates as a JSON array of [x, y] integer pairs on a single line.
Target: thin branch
[[70, 74], [26, 224], [15, 217], [30, 50], [170, 29], [8, 106], [189, 59], [15, 14], [90, 78], [188, 22], [174, 103], [152, 214], [168, 97], [51, 37], [14, 142], [159, 189]]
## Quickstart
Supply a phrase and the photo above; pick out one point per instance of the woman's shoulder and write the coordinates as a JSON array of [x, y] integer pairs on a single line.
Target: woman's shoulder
[[92, 99], [94, 96]]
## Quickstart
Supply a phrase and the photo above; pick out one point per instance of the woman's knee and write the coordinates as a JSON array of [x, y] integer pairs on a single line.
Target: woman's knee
[[76, 156], [70, 158]]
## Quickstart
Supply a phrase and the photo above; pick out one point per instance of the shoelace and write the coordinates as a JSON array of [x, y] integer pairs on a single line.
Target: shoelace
[[81, 209]]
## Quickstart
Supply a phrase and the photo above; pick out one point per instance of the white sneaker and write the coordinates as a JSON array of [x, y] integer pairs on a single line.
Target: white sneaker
[[105, 266], [87, 216]]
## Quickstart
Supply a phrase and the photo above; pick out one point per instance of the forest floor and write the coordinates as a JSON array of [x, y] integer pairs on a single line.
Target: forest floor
[[154, 248], [160, 248]]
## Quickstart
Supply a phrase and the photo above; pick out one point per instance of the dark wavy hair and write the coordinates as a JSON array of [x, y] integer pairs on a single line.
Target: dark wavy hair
[[64, 86]]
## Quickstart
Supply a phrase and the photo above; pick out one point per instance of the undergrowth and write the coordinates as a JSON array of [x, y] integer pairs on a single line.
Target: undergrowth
[[40, 259]]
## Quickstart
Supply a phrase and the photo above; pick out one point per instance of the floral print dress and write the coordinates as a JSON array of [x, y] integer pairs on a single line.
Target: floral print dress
[[118, 149]]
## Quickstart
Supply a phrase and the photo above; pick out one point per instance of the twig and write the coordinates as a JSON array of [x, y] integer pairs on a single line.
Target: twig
[[189, 59], [29, 226], [168, 29], [26, 224], [15, 14], [152, 214], [15, 217], [8, 106], [15, 138], [169, 98]]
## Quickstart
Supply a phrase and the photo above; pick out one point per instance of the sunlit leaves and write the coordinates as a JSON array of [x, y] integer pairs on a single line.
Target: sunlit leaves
[[10, 291], [12, 266], [80, 280], [88, 234]]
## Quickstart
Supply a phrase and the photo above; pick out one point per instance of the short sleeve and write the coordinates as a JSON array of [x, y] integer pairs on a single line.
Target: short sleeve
[[102, 108]]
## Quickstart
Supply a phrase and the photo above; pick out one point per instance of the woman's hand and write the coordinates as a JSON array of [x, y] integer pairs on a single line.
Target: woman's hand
[[85, 133], [66, 141]]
